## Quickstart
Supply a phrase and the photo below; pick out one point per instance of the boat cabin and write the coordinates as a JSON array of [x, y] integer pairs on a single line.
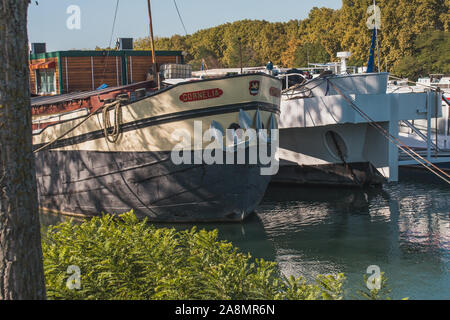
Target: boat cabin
[[60, 72]]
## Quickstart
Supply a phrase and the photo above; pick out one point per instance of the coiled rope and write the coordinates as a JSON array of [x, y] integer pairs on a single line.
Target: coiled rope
[[113, 136]]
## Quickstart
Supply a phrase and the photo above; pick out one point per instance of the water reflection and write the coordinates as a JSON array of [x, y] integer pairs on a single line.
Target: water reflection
[[403, 228]]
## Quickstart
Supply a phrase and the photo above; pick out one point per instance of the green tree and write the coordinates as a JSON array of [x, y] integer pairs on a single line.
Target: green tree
[[403, 21], [431, 55], [311, 53]]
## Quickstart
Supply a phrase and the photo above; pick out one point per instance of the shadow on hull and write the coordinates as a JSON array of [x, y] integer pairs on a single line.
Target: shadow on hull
[[85, 184]]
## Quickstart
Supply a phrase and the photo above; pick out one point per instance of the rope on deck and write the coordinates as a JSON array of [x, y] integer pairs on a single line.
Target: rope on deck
[[113, 136], [116, 130]]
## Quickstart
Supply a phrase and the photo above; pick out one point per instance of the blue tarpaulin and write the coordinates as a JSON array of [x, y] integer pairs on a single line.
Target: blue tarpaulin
[[371, 64]]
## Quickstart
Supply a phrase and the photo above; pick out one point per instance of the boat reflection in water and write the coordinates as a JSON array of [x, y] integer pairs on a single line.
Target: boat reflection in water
[[404, 230]]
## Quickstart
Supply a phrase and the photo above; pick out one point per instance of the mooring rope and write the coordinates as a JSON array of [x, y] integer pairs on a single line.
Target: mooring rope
[[413, 82], [110, 137], [104, 107], [304, 87], [113, 138], [406, 149], [423, 85]]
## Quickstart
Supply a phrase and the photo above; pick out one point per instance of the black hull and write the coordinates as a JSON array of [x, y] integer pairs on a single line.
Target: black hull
[[337, 175], [420, 173], [86, 183]]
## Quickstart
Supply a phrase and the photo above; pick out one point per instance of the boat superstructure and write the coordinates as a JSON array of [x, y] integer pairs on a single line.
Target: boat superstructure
[[416, 133], [341, 129], [428, 136]]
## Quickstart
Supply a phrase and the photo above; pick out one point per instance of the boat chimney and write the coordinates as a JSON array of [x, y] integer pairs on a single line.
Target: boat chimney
[[125, 43], [37, 48], [344, 56]]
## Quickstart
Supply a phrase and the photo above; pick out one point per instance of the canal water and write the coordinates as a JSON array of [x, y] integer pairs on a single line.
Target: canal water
[[402, 228]]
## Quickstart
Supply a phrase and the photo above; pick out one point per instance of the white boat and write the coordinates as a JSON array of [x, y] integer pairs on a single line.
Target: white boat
[[326, 138], [439, 128]]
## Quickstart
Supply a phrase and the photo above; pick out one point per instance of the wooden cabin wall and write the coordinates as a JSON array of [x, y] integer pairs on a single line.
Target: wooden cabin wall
[[89, 73], [33, 89], [86, 73], [138, 66]]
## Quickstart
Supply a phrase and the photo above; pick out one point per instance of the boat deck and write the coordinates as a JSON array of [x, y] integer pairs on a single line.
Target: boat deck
[[64, 98]]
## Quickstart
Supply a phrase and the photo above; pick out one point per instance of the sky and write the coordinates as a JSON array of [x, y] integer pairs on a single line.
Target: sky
[[48, 21]]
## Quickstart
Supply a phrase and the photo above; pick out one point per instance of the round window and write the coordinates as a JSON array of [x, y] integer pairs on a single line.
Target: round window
[[336, 145]]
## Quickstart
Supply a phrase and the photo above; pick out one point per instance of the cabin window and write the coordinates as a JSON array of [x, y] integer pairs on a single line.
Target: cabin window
[[46, 81]]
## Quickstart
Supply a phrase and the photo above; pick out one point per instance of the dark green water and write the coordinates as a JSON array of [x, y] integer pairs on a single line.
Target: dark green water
[[403, 228]]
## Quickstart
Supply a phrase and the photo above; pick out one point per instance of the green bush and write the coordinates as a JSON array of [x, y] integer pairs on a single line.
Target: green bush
[[383, 293], [126, 258]]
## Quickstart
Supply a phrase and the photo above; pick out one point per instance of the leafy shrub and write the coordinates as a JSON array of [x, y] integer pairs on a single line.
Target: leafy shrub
[[126, 258], [375, 294]]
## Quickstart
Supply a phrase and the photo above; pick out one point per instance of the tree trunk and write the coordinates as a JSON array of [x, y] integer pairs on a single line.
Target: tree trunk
[[21, 269]]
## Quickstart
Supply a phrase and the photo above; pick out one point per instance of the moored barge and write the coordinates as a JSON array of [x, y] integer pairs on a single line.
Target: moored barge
[[110, 150]]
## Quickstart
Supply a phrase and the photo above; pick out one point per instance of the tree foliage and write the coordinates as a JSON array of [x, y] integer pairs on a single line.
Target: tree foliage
[[431, 55], [325, 30], [128, 259], [383, 293]]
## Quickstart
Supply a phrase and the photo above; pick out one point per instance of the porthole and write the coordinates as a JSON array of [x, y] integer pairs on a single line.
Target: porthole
[[335, 145]]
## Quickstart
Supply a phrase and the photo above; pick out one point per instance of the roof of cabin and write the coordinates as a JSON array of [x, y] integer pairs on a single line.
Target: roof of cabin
[[50, 100], [98, 53]]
